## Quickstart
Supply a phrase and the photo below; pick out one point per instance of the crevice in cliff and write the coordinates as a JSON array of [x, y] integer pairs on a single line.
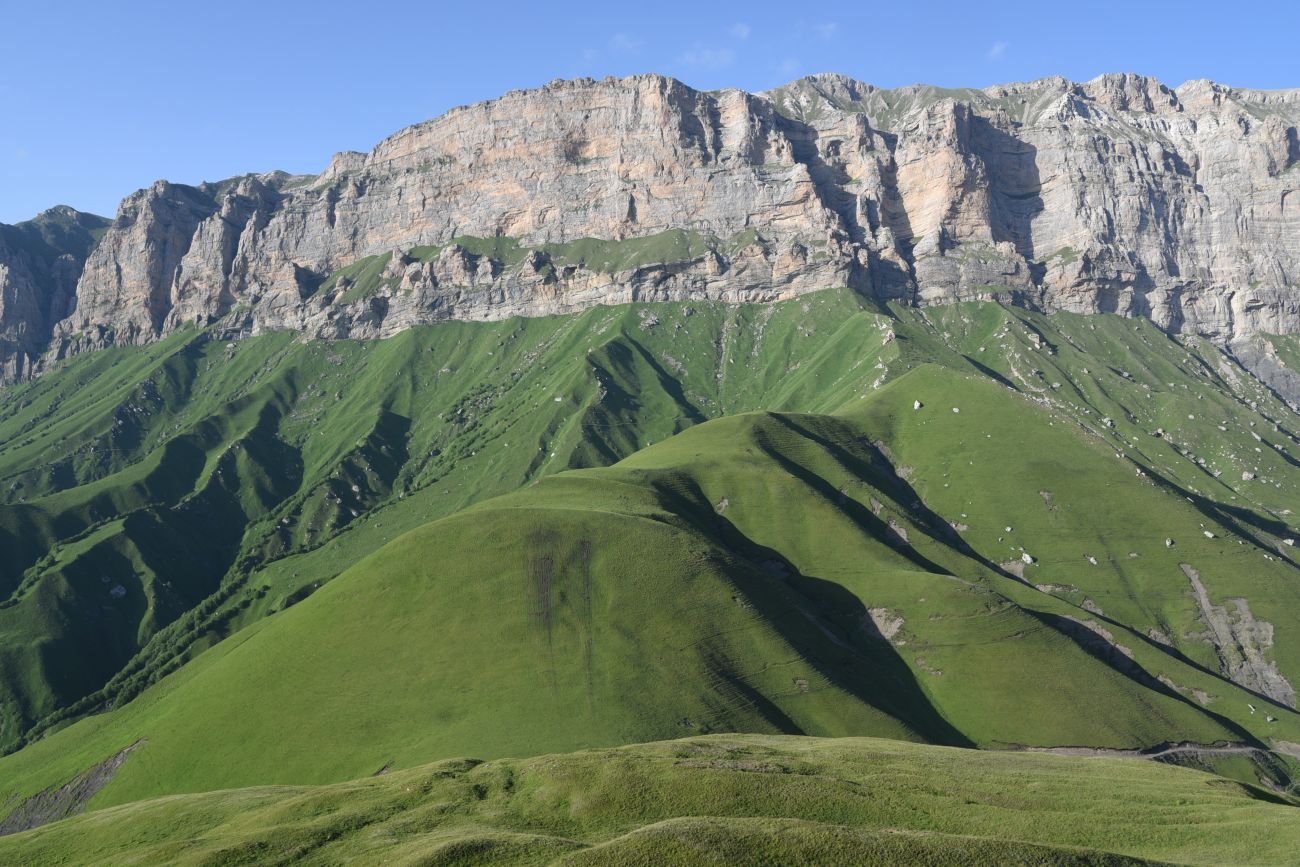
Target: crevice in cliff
[[828, 179], [889, 279]]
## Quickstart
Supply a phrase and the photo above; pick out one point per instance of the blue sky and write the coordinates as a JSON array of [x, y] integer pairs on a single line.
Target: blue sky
[[98, 99]]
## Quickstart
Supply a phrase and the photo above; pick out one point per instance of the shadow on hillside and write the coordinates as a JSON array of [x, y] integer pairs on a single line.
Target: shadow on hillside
[[836, 634], [1099, 648], [1230, 516], [627, 374], [829, 626], [879, 468], [991, 373]]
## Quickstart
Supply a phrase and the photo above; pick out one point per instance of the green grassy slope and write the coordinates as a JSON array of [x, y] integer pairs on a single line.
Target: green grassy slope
[[721, 799], [856, 570], [763, 572], [160, 498], [115, 469]]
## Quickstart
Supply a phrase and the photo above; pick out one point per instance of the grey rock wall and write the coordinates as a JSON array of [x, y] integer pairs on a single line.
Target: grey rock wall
[[1115, 195]]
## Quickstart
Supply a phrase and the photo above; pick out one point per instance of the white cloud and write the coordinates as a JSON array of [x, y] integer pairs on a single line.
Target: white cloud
[[622, 43], [997, 50], [21, 154], [740, 30], [826, 30], [707, 57]]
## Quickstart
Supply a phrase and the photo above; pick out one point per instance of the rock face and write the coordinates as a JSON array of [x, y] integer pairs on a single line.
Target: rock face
[[1116, 195], [40, 263]]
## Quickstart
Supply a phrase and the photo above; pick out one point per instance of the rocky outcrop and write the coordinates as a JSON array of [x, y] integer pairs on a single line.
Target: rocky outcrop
[[40, 263], [20, 315], [1117, 195], [67, 800], [1242, 642]]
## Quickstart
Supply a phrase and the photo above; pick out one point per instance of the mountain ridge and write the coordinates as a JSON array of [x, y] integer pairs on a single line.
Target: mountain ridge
[[1115, 195]]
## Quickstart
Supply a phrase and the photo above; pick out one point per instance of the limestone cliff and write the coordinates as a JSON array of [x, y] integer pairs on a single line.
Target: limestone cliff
[[40, 263], [1118, 194]]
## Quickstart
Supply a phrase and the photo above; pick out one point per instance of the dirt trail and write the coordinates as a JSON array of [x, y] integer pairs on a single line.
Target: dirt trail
[[1156, 752], [1271, 772]]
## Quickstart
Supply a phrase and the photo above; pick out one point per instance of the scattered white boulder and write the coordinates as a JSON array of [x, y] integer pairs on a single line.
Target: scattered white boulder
[[916, 404]]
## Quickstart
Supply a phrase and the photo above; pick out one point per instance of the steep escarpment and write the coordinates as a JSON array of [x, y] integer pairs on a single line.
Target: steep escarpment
[[1118, 195], [617, 161], [40, 263], [1115, 195]]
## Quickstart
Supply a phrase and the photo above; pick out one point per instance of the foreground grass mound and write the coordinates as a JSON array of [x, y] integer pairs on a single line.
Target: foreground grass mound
[[767, 573], [726, 799]]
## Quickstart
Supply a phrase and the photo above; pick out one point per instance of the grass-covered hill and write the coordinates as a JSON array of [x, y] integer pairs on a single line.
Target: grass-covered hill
[[158, 498], [276, 562], [725, 799], [763, 572]]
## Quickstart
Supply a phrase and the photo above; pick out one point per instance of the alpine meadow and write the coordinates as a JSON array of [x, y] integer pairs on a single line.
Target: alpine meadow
[[618, 472]]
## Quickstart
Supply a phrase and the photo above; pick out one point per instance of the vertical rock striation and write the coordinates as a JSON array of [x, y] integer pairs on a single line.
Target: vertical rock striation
[[1115, 195]]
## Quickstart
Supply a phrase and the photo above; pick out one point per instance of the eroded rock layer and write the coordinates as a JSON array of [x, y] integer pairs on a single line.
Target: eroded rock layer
[[1118, 195]]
